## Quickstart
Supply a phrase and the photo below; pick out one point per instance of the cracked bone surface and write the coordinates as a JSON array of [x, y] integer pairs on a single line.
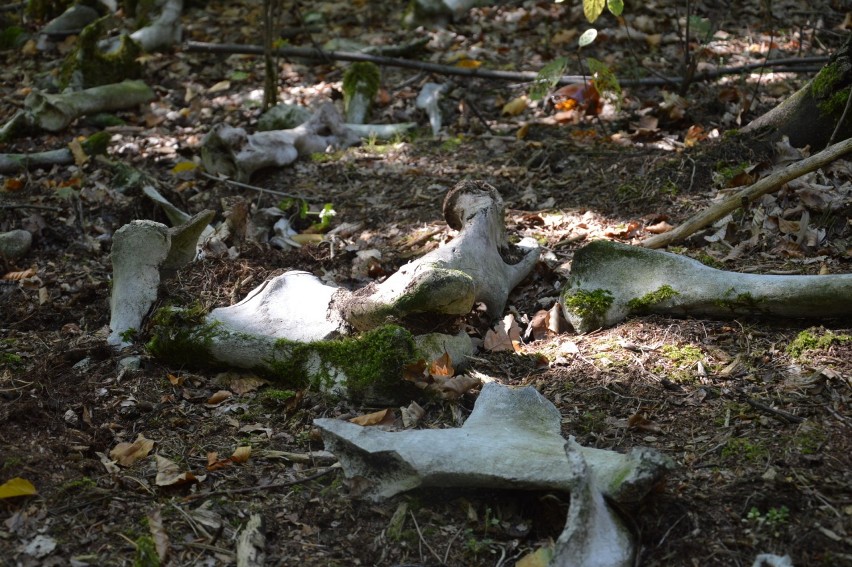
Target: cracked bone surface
[[235, 153], [610, 281], [511, 440], [479, 265]]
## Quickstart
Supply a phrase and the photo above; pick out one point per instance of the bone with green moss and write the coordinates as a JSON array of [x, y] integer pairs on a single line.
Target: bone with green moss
[[610, 281], [368, 367], [478, 265]]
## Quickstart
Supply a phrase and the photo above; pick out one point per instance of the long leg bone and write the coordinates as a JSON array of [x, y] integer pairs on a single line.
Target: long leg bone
[[611, 281]]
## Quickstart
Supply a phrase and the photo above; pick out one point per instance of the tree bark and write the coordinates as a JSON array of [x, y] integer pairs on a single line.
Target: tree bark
[[814, 115]]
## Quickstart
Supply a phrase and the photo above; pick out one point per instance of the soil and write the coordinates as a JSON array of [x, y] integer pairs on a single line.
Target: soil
[[760, 430]]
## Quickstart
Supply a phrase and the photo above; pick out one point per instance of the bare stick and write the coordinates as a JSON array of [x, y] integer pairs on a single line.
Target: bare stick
[[526, 76], [766, 185]]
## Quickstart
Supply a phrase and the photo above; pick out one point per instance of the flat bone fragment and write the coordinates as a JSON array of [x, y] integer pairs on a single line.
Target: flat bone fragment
[[611, 281], [511, 440], [235, 153], [479, 265]]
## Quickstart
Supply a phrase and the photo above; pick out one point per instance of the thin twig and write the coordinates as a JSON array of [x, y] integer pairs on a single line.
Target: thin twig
[[749, 194], [526, 76], [285, 484], [419, 533], [255, 187], [42, 207], [780, 414]]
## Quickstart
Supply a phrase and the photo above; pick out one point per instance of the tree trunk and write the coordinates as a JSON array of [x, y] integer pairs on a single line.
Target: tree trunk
[[812, 114]]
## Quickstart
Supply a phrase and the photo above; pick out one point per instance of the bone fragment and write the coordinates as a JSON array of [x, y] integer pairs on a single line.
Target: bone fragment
[[611, 281]]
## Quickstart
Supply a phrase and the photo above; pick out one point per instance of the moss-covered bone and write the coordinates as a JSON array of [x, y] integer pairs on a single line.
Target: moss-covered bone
[[479, 265], [637, 280], [367, 368]]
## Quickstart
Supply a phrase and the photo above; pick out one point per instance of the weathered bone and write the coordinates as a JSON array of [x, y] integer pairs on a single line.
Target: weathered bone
[[292, 321], [511, 440], [237, 154], [610, 281], [478, 265], [143, 253]]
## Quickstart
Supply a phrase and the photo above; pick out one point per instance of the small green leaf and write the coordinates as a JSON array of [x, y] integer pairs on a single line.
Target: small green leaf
[[615, 6], [587, 37], [605, 80], [593, 8], [547, 78]]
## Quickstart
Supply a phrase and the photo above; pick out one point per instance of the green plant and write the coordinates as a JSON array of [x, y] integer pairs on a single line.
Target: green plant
[[774, 518]]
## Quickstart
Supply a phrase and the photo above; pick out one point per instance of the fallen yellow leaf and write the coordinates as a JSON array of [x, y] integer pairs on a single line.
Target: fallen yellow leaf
[[17, 487], [514, 106]]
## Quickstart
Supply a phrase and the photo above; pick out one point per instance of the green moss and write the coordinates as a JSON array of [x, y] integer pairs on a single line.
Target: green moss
[[644, 303], [827, 90], [146, 553], [588, 304], [365, 366], [708, 260], [741, 449], [451, 145], [825, 81], [182, 335], [88, 66], [813, 339], [96, 144], [835, 104], [740, 302]]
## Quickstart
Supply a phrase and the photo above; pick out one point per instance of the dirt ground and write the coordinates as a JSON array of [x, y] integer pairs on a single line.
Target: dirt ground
[[755, 413]]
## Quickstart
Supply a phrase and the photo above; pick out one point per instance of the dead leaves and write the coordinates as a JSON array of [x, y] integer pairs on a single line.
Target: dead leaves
[[170, 474], [438, 377], [126, 454], [505, 336]]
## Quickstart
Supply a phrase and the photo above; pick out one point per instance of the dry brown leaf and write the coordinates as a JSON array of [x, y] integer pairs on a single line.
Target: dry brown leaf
[[539, 327], [125, 454], [497, 340], [77, 151], [659, 228], [442, 366], [412, 414], [219, 397], [453, 388], [245, 383], [18, 276], [642, 423], [241, 454], [176, 380], [381, 417], [169, 474]]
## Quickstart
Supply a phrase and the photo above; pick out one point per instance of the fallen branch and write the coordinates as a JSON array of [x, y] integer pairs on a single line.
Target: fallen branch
[[749, 194], [523, 76]]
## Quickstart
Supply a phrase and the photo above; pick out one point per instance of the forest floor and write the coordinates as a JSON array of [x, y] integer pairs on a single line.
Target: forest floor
[[755, 413]]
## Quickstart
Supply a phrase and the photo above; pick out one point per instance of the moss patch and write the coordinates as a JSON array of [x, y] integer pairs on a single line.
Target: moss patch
[[643, 304], [588, 304], [814, 339], [368, 366], [182, 335]]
